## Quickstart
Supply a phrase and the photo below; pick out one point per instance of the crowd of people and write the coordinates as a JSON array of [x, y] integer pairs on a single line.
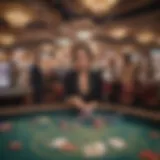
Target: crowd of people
[[83, 78]]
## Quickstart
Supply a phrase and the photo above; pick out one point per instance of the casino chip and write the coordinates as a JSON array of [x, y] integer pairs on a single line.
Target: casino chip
[[15, 145], [88, 151], [117, 143], [63, 144], [5, 127], [148, 155], [58, 142], [98, 123], [69, 147], [96, 149]]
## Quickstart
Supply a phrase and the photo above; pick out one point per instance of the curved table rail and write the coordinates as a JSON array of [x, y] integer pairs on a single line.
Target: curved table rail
[[143, 113]]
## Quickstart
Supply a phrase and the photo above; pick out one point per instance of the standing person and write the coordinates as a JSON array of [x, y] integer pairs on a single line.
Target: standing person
[[5, 71], [83, 87], [110, 77], [36, 81], [128, 80]]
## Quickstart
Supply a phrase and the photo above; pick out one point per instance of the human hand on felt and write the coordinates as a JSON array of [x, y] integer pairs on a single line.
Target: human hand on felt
[[88, 108]]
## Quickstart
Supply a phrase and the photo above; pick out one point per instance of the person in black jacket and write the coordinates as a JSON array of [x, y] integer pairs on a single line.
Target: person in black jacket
[[83, 87], [36, 81]]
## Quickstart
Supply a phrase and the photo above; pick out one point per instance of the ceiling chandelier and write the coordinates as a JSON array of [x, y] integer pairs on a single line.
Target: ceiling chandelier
[[63, 41], [145, 37], [18, 15], [84, 35], [7, 39], [99, 6], [118, 33]]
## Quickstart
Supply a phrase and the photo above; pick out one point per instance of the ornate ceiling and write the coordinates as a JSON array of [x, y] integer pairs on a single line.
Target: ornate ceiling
[[116, 21]]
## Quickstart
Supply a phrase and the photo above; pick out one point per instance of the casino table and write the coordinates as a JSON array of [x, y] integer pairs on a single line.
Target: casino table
[[41, 132]]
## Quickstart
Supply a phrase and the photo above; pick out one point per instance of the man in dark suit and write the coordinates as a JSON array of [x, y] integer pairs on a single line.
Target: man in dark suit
[[36, 81]]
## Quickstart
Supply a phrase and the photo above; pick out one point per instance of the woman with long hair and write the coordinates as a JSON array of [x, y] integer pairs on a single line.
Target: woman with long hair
[[83, 87]]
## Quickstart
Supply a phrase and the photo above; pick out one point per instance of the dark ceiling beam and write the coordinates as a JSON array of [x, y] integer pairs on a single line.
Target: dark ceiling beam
[[151, 17], [126, 6], [147, 8]]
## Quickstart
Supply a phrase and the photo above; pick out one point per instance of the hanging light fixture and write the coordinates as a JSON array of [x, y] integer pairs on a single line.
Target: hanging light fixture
[[118, 33], [7, 39], [145, 37], [17, 15], [84, 35], [99, 6], [63, 41]]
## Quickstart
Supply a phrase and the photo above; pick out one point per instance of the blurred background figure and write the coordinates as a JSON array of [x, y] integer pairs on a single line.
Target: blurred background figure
[[22, 60], [111, 80], [128, 79], [83, 87], [5, 70], [36, 81], [52, 80]]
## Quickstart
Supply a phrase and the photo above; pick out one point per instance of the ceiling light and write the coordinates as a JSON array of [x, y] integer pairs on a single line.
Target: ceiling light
[[7, 39], [64, 41], [18, 16], [99, 6], [145, 37], [84, 35], [118, 33]]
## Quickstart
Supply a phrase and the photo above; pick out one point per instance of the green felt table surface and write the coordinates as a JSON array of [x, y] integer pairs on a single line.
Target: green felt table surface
[[36, 131]]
